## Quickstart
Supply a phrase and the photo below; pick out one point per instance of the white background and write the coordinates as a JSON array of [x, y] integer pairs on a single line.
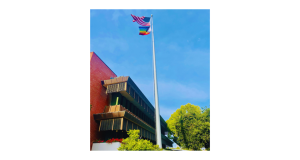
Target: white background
[[44, 83]]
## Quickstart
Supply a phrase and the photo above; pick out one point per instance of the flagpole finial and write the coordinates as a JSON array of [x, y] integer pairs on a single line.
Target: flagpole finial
[[151, 15]]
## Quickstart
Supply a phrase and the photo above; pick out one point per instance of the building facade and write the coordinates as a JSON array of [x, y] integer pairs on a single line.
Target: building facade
[[118, 105], [98, 97]]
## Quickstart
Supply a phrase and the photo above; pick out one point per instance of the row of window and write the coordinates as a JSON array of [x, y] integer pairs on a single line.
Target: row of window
[[132, 108], [127, 125], [127, 104], [138, 99]]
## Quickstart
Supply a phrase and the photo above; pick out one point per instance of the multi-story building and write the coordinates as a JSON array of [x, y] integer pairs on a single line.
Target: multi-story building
[[118, 105]]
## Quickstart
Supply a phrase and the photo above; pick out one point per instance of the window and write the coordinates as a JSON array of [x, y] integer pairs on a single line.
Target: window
[[140, 101], [124, 102], [136, 96], [128, 105], [143, 104], [120, 100], [131, 107]]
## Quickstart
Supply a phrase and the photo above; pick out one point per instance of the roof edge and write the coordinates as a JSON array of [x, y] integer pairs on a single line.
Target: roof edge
[[94, 53]]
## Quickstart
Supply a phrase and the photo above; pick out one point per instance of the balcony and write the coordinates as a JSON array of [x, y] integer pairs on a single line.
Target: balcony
[[117, 108]]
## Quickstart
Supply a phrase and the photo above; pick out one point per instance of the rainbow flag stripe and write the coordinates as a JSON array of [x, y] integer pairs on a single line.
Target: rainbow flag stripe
[[144, 30]]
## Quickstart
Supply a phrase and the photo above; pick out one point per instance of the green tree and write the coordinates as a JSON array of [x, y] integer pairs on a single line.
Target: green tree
[[190, 127], [133, 143]]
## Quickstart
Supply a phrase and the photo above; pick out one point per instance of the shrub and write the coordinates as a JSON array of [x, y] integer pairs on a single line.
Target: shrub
[[132, 143], [114, 140], [98, 141]]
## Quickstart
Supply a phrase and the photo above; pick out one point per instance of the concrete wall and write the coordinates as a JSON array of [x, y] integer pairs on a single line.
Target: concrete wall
[[106, 146], [98, 99]]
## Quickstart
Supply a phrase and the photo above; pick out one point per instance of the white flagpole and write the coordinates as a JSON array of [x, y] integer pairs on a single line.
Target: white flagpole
[[157, 116]]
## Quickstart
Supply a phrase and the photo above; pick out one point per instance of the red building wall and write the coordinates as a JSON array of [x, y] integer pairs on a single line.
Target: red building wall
[[98, 98]]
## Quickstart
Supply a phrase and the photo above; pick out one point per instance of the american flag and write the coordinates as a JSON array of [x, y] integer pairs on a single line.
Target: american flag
[[144, 21]]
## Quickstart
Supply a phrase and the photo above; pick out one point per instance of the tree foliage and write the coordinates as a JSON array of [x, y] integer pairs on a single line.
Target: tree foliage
[[133, 143], [190, 127]]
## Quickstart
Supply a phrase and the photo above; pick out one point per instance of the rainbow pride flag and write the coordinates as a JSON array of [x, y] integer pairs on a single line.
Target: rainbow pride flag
[[144, 30]]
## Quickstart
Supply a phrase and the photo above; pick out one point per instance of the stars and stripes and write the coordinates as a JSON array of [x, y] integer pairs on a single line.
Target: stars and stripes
[[145, 28], [144, 21]]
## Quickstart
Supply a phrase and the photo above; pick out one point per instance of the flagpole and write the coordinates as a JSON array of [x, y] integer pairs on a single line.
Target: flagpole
[[157, 116]]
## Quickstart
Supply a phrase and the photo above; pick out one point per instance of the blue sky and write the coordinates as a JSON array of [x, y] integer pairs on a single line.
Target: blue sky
[[182, 48]]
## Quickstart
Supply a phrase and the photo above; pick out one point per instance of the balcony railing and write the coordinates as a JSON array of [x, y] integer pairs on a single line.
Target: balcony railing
[[117, 108], [116, 87]]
